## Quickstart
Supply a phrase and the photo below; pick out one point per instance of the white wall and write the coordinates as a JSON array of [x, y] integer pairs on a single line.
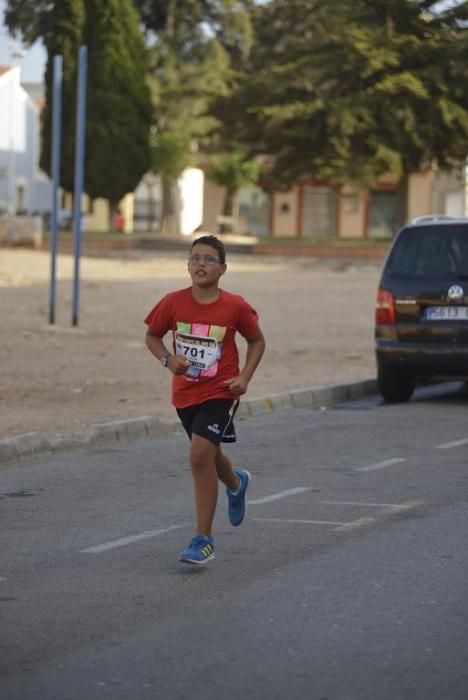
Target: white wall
[[191, 185], [19, 146]]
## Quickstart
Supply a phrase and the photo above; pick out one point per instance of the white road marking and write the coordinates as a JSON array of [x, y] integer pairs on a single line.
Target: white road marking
[[122, 541], [354, 524], [338, 526], [391, 506], [381, 465], [455, 443], [281, 494], [299, 522], [358, 503]]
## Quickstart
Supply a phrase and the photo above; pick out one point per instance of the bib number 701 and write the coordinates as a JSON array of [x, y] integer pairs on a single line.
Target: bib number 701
[[200, 351], [194, 353]]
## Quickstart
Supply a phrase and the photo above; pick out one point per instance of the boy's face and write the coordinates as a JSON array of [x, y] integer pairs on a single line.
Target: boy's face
[[204, 265]]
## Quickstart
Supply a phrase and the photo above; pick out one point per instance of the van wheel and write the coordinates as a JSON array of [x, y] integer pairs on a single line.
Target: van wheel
[[394, 387]]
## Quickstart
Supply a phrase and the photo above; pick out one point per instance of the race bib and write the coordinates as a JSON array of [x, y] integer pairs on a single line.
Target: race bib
[[200, 351]]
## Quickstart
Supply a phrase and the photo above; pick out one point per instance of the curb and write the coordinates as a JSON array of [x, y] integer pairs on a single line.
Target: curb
[[335, 249], [32, 444]]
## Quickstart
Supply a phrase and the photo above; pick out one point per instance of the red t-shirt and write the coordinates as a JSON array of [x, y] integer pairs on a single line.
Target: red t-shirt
[[204, 334]]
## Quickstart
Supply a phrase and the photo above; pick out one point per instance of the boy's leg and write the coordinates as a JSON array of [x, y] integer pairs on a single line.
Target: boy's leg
[[236, 486], [205, 477], [225, 471]]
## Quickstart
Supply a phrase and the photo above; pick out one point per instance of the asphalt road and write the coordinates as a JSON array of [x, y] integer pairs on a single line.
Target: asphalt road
[[348, 580]]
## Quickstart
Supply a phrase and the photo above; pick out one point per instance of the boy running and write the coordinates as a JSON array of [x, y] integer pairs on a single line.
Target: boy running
[[207, 383]]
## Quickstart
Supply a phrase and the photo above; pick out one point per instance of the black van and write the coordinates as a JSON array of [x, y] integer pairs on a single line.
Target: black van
[[421, 314]]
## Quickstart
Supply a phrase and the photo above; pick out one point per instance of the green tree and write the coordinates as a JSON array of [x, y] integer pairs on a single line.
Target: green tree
[[30, 19], [59, 25], [119, 104], [227, 21], [119, 113], [170, 155], [196, 43], [349, 90], [232, 170], [63, 38]]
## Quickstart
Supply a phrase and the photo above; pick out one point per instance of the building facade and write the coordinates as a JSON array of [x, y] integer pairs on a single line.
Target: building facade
[[316, 210], [24, 189]]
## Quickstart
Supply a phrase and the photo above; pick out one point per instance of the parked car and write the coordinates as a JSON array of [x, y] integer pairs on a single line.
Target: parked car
[[421, 315], [64, 220]]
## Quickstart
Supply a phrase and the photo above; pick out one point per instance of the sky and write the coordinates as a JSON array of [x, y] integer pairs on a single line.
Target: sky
[[33, 61]]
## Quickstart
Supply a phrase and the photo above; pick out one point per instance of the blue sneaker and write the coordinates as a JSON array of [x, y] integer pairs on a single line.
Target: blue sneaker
[[236, 500], [199, 551]]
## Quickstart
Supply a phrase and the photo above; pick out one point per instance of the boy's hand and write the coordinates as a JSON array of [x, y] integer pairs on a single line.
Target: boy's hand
[[237, 385], [178, 364]]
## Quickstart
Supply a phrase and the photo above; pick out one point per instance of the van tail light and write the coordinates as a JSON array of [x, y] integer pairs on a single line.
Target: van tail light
[[384, 307]]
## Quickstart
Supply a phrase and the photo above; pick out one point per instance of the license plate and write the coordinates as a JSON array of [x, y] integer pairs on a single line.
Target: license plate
[[447, 313]]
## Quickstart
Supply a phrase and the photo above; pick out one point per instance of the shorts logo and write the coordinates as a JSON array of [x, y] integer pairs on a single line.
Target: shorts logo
[[214, 428]]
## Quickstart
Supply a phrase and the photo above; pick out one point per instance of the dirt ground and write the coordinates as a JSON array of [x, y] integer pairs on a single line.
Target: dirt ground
[[317, 318]]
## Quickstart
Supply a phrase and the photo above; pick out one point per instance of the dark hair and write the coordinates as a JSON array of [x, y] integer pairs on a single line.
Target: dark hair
[[214, 243]]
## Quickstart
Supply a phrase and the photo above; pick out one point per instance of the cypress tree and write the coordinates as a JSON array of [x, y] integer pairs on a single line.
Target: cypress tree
[[63, 36], [118, 105]]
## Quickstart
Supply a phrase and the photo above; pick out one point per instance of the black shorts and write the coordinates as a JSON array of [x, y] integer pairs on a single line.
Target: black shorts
[[213, 420]]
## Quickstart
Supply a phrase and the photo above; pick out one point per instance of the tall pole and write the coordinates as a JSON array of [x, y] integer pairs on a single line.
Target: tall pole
[[79, 175], [56, 145]]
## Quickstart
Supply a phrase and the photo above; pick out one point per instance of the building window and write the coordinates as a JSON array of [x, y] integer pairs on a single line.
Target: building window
[[253, 205], [382, 214], [318, 216]]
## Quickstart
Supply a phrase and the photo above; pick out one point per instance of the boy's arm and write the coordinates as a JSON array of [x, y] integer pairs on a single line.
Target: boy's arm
[[255, 349], [176, 363]]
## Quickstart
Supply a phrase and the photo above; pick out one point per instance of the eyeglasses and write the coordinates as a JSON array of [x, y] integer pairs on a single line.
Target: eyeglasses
[[207, 259]]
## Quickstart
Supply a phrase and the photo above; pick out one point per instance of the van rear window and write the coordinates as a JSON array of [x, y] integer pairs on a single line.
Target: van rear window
[[430, 251]]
